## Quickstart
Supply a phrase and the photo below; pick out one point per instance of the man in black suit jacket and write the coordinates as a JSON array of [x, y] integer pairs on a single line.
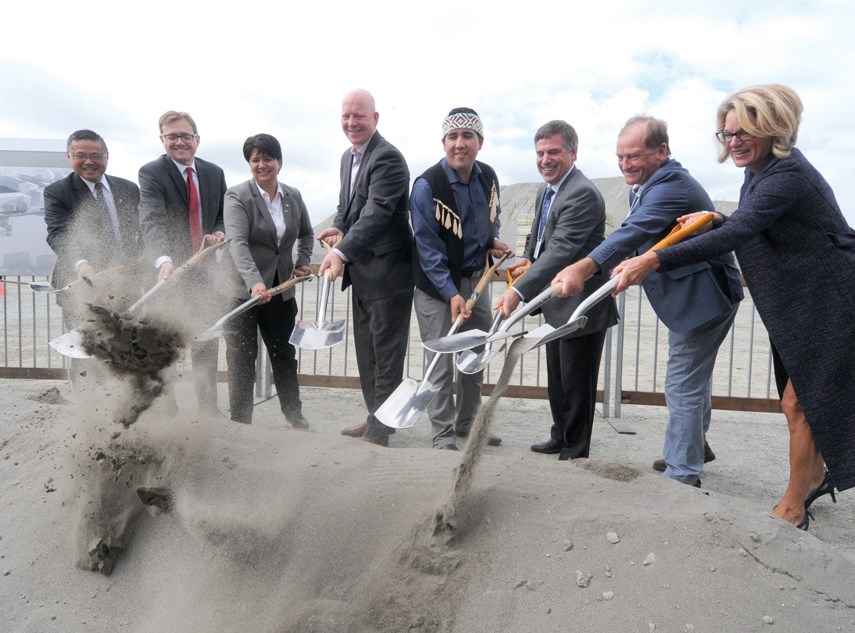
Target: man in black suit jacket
[[89, 234], [371, 234], [85, 235], [172, 234], [569, 223]]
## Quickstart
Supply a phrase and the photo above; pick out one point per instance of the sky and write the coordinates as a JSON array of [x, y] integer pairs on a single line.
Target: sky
[[283, 68]]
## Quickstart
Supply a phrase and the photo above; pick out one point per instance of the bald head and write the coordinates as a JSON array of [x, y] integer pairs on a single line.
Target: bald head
[[358, 117]]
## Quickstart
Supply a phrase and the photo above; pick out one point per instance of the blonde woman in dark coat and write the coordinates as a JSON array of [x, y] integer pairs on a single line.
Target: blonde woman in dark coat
[[797, 254]]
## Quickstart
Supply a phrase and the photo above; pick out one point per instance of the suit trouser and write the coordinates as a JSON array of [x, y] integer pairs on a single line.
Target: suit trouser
[[446, 412], [573, 367], [381, 331], [275, 320], [688, 393]]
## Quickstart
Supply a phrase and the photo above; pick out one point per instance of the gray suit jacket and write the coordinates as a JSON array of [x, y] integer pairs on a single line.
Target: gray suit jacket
[[576, 225], [165, 211], [77, 228], [251, 235], [376, 223]]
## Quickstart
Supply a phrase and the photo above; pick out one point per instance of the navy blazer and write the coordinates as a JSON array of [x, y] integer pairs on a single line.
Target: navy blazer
[[376, 222], [687, 297], [77, 227], [576, 224], [165, 210]]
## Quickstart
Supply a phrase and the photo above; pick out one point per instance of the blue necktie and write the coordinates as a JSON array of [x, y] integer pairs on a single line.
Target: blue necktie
[[544, 212]]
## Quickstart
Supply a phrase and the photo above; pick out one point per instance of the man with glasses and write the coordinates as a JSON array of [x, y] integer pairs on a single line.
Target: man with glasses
[[92, 219], [696, 303], [92, 223], [181, 210]]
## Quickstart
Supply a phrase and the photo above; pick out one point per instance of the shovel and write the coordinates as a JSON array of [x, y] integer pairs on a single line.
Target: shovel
[[44, 287], [474, 338], [577, 321], [319, 334], [71, 343], [403, 408], [468, 362], [216, 330]]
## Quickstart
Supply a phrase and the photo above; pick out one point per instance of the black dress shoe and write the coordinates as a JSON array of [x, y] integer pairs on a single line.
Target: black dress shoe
[[549, 447]]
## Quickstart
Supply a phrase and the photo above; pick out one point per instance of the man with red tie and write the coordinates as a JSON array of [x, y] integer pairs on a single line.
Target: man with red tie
[[181, 205]]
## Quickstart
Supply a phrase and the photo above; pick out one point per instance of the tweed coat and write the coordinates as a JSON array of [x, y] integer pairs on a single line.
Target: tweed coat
[[797, 254]]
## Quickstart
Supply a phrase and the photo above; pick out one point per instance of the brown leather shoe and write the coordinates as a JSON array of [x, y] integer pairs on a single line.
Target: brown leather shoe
[[660, 465], [355, 431], [376, 442]]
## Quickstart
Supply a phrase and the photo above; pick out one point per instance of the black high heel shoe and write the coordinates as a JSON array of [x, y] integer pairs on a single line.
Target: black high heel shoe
[[805, 522], [825, 488]]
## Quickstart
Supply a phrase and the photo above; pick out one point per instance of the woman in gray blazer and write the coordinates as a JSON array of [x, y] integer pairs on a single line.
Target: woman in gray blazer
[[263, 219], [797, 254]]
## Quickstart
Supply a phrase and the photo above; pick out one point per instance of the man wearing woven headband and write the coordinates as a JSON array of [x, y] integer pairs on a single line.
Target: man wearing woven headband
[[454, 209], [569, 221]]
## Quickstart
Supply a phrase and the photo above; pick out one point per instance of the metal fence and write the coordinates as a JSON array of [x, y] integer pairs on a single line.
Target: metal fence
[[632, 369]]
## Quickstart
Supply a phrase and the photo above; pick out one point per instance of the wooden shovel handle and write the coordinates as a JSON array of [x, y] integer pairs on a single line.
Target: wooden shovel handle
[[278, 290], [202, 254], [679, 233], [328, 273], [485, 279]]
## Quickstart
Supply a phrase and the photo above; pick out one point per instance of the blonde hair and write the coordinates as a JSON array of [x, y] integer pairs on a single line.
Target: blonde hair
[[773, 111]]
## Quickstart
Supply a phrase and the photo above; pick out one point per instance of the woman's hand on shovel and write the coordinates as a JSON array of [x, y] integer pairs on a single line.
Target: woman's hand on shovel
[[260, 289]]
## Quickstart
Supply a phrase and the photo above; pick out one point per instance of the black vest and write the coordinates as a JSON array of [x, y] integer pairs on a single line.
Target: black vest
[[441, 189]]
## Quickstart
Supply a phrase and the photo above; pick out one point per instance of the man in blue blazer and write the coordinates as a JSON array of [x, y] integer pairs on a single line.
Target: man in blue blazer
[[371, 234], [696, 303], [181, 205]]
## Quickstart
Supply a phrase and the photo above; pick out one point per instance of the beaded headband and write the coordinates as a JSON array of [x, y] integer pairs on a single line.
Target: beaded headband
[[462, 121]]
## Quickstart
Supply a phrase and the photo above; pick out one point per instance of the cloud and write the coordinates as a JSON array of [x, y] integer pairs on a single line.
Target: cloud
[[283, 68]]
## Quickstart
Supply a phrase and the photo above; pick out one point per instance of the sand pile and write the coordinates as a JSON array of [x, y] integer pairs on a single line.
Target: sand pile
[[265, 529]]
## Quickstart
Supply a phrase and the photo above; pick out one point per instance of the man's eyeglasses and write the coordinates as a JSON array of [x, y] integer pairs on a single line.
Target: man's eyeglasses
[[95, 156], [175, 137], [740, 135]]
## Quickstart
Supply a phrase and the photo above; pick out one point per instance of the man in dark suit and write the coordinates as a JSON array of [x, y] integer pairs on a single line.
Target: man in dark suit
[[92, 218], [371, 234], [181, 207], [92, 224], [696, 303], [570, 222]]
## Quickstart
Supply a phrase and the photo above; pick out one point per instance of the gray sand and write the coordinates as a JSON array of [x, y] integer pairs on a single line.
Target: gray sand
[[265, 529]]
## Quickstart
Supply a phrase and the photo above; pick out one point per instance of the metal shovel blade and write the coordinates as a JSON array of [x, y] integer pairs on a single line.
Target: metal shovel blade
[[546, 332], [45, 288], [319, 334], [468, 362], [457, 342], [308, 335], [407, 403], [70, 344]]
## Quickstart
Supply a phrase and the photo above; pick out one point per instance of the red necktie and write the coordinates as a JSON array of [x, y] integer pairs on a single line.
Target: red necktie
[[195, 215]]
